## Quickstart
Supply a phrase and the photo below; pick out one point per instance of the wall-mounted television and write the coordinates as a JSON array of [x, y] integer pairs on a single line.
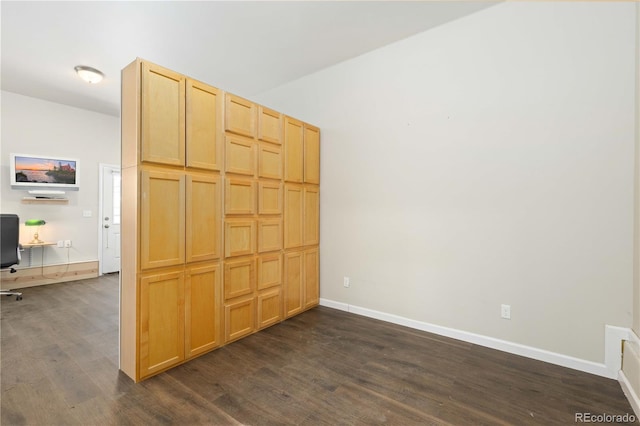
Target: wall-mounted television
[[43, 172]]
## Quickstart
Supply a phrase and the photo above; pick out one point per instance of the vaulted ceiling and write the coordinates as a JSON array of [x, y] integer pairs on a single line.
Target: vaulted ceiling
[[240, 46]]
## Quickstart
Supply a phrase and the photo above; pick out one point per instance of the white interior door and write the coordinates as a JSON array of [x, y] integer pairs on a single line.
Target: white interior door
[[110, 219]]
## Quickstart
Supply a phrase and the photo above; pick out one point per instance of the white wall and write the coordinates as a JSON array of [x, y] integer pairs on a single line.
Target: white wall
[[486, 161], [34, 126]]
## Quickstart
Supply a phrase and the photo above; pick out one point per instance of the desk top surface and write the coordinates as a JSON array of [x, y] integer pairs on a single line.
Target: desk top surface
[[45, 243]]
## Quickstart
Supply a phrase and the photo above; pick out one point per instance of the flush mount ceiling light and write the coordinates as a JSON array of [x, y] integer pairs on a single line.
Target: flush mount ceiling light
[[88, 74]]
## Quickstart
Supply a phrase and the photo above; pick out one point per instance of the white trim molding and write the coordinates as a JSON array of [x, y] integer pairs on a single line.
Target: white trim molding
[[629, 392], [613, 341]]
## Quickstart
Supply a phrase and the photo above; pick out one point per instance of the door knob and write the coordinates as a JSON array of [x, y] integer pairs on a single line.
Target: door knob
[[106, 226]]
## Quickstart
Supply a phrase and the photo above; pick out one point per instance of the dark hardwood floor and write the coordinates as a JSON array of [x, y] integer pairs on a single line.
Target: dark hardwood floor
[[59, 358]]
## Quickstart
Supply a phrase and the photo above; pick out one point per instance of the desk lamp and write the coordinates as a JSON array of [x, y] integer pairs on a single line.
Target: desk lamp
[[38, 223]]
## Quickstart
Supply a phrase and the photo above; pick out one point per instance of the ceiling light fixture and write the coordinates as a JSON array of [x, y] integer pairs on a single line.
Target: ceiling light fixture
[[88, 74]]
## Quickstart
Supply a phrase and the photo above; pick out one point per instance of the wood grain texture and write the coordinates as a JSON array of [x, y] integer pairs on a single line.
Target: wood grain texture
[[203, 126], [239, 115], [59, 366]]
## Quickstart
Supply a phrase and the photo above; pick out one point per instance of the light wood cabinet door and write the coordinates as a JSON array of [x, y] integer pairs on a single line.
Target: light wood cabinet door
[[269, 125], [203, 227], [204, 119], [162, 219], [239, 278], [269, 197], [311, 215], [161, 319], [202, 315], [239, 155], [311, 154], [240, 237], [240, 115], [293, 276], [293, 213], [269, 307], [269, 235], [239, 318], [269, 161], [240, 196], [311, 277], [163, 121], [293, 150], [269, 270]]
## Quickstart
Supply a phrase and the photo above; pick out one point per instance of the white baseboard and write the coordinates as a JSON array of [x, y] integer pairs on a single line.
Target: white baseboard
[[609, 369], [631, 395]]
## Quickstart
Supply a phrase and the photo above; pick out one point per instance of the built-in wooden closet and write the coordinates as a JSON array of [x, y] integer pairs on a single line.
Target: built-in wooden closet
[[220, 218]]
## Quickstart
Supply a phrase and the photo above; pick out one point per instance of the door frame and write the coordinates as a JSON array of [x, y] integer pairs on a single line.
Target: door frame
[[101, 213]]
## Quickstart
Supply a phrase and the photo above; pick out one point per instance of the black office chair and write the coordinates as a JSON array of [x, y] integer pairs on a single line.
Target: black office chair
[[10, 247]]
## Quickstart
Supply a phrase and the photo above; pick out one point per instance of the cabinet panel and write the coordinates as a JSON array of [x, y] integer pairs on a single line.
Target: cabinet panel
[[202, 319], [240, 115], [269, 161], [269, 307], [269, 235], [293, 150], [203, 231], [269, 125], [311, 154], [311, 215], [240, 196], [269, 270], [239, 155], [162, 219], [240, 237], [293, 276], [239, 278], [161, 321], [239, 318], [293, 211], [204, 116], [311, 278], [163, 121], [269, 198]]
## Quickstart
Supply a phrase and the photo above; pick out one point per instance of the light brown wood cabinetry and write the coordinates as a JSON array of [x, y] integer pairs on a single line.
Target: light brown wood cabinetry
[[311, 277], [202, 312], [215, 245], [269, 197], [269, 270], [311, 215], [301, 279], [162, 218], [269, 125], [293, 150], [240, 115], [239, 155], [293, 213], [240, 196], [161, 321], [269, 307], [203, 126], [203, 213], [311, 154], [163, 131], [269, 161], [239, 237], [269, 235], [239, 318], [293, 276]]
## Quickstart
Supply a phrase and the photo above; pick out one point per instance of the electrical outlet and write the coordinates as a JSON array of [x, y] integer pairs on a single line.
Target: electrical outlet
[[67, 243], [60, 243], [347, 282], [505, 311]]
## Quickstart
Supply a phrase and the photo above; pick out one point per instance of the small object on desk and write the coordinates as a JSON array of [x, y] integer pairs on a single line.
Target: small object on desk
[[38, 223]]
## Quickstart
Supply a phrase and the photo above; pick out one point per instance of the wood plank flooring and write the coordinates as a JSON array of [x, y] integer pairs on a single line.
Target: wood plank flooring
[[59, 357]]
